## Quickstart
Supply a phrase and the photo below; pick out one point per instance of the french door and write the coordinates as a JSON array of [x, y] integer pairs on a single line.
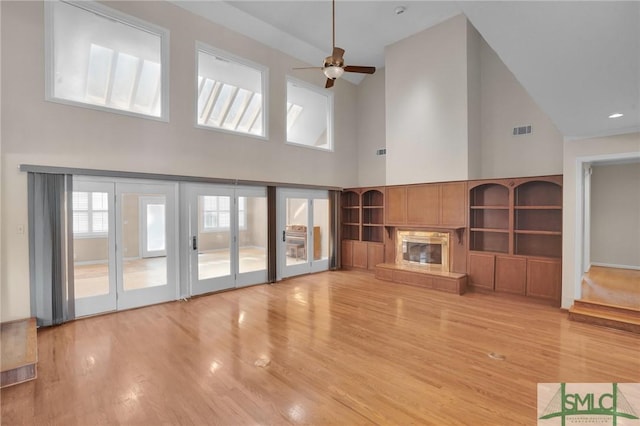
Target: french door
[[125, 252], [303, 224], [226, 231]]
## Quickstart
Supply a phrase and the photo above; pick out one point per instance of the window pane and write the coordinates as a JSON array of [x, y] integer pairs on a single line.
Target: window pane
[[80, 222], [210, 221], [210, 203], [309, 115], [235, 102], [124, 80], [99, 201], [225, 219], [97, 55], [224, 203], [100, 222], [80, 201]]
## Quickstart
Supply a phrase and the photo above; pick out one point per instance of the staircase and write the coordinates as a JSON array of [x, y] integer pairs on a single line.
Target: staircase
[[19, 352], [610, 298]]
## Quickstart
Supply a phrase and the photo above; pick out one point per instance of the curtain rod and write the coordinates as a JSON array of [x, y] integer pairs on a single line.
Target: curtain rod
[[158, 176]]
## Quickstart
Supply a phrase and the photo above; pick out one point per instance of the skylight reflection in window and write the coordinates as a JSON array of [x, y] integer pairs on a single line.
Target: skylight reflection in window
[[230, 92]]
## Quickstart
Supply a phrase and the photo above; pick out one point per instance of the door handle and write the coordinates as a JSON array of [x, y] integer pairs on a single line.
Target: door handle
[[284, 236], [194, 243]]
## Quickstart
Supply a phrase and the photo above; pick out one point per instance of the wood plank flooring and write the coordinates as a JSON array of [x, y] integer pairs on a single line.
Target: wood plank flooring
[[333, 348]]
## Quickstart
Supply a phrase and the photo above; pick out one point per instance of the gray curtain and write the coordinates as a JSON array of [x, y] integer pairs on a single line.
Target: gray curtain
[[50, 243], [334, 226]]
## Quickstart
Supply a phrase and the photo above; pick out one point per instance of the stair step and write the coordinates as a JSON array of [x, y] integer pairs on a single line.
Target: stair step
[[19, 352], [605, 315]]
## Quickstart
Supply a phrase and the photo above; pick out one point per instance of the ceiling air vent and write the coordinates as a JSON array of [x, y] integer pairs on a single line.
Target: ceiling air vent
[[522, 130], [381, 151]]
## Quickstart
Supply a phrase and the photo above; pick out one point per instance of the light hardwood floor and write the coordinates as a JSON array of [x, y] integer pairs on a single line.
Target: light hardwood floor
[[333, 348]]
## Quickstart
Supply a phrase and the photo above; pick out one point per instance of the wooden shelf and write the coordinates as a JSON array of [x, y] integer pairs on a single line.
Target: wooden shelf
[[532, 232], [489, 207], [537, 207], [497, 230]]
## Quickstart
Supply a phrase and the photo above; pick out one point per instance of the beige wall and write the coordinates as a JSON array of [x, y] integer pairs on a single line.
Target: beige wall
[[90, 250], [34, 131], [505, 105], [615, 215], [426, 105], [577, 151], [371, 130]]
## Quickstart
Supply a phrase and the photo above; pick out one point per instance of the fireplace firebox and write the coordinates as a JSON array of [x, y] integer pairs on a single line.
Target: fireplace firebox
[[423, 249]]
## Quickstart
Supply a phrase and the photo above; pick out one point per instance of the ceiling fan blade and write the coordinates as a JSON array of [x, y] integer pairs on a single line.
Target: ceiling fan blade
[[307, 68], [337, 54], [329, 83], [362, 70]]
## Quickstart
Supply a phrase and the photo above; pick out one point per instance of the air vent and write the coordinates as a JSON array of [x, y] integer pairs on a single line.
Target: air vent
[[522, 130], [381, 151]]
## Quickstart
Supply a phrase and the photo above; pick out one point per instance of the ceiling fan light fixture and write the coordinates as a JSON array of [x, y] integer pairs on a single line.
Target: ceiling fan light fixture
[[333, 72]]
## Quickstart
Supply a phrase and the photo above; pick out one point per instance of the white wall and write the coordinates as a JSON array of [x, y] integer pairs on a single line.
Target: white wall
[[426, 105], [371, 128], [615, 215], [37, 132], [505, 104], [577, 152]]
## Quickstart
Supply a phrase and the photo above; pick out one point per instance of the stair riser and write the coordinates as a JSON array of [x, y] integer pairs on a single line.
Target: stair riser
[[605, 322], [595, 307], [17, 375]]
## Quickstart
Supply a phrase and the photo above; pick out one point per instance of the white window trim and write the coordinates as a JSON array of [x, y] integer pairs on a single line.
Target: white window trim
[[264, 77], [90, 210], [330, 116], [111, 14]]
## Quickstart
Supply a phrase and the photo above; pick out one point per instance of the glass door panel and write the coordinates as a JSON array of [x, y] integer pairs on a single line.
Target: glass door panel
[[214, 236], [296, 222], [303, 218], [93, 247], [251, 236], [146, 227]]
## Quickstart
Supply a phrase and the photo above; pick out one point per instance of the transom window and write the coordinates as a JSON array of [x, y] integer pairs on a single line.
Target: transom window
[[309, 115], [230, 92], [216, 213], [104, 59], [90, 213]]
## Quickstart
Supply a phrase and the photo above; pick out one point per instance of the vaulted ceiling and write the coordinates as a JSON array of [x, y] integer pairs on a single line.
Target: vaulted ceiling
[[579, 60]]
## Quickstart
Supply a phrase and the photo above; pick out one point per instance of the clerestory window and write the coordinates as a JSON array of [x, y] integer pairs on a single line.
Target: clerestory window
[[309, 115], [231, 92], [103, 59]]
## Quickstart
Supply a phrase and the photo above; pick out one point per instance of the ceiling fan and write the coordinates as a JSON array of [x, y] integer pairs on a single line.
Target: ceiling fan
[[333, 66]]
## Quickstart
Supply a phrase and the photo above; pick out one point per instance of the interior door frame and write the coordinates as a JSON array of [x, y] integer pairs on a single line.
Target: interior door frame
[[148, 296], [284, 271], [190, 227]]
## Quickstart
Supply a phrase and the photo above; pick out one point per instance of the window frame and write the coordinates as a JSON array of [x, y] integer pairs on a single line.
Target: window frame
[[236, 199], [89, 211], [330, 112], [264, 81], [125, 19]]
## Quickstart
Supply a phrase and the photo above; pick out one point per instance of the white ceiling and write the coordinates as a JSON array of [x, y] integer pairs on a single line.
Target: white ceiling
[[579, 60]]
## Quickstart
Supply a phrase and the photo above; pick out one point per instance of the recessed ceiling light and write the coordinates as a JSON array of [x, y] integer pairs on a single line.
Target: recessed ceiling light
[[616, 115]]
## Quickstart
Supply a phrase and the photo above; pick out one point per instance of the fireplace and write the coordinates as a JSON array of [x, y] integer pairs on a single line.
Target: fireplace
[[423, 249]]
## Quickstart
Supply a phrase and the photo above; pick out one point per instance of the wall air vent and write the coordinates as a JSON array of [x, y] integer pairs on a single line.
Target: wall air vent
[[522, 130], [381, 151]]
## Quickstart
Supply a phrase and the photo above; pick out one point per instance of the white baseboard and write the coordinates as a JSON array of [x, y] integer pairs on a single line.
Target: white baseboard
[[613, 265]]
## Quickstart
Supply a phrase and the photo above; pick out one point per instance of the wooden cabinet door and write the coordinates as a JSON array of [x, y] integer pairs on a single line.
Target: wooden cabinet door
[[347, 253], [453, 203], [395, 202], [375, 255], [359, 254], [511, 274], [481, 270], [544, 278], [423, 204]]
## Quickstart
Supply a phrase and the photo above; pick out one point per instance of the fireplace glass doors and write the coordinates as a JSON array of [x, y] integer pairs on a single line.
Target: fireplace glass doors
[[429, 250]]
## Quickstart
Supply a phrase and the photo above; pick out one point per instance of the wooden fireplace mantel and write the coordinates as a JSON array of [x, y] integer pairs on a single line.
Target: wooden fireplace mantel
[[451, 282]]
